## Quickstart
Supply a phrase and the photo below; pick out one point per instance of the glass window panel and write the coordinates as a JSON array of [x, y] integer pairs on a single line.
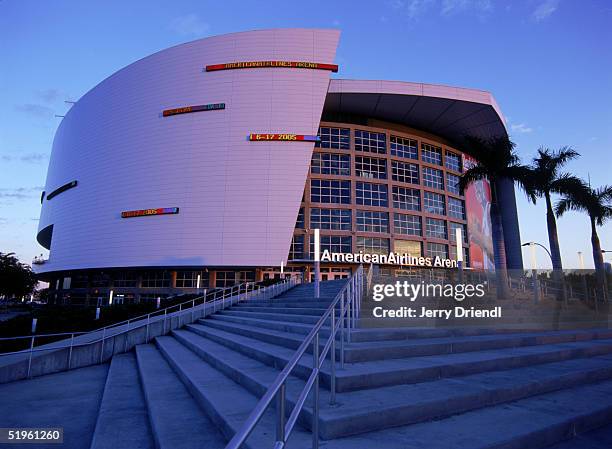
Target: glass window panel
[[408, 247], [456, 208], [407, 224], [370, 167], [434, 203], [452, 161], [373, 245], [406, 148], [405, 172], [330, 191], [435, 228], [330, 164], [433, 178], [437, 250], [371, 221], [407, 199], [338, 138], [452, 183], [371, 142], [335, 219], [431, 154]]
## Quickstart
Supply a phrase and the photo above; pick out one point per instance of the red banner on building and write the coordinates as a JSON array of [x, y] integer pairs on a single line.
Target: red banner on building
[[283, 137]]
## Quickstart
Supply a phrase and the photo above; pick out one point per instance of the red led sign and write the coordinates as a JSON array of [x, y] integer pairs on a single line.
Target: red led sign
[[275, 64], [283, 137], [188, 109], [147, 212]]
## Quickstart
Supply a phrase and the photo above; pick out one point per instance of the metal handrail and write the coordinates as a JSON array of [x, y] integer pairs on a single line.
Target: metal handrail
[[216, 304], [129, 320], [349, 298]]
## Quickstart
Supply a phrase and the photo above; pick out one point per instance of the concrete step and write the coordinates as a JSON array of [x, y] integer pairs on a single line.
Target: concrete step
[[366, 375], [534, 422], [287, 304], [371, 410], [595, 439], [285, 317], [122, 419], [290, 336], [283, 310], [227, 403], [290, 327], [175, 417]]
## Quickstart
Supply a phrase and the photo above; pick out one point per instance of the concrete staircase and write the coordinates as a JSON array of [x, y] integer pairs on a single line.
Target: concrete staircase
[[401, 388]]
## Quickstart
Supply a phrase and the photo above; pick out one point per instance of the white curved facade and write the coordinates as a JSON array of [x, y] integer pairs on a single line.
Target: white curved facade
[[238, 200]]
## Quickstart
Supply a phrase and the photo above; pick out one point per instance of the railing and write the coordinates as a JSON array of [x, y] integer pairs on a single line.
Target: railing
[[349, 299], [221, 299]]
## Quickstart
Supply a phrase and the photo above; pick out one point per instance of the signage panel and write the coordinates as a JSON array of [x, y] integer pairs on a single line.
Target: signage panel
[[283, 137], [147, 212], [197, 108], [273, 64]]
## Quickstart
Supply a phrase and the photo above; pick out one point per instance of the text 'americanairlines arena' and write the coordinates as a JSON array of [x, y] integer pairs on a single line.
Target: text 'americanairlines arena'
[[214, 161]]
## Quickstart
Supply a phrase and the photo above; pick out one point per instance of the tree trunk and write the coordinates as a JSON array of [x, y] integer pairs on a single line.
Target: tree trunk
[[499, 247], [600, 269], [555, 251], [553, 238]]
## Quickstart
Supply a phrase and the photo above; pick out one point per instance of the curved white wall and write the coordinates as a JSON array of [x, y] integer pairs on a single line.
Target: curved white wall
[[238, 200]]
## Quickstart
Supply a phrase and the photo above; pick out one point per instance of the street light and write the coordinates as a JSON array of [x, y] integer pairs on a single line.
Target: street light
[[532, 245]]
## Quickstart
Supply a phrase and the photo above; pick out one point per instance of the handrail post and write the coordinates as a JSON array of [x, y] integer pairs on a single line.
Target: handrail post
[[147, 334], [102, 344], [30, 357], [70, 353], [332, 398], [348, 316], [192, 307], [315, 396], [165, 316], [342, 330], [280, 414]]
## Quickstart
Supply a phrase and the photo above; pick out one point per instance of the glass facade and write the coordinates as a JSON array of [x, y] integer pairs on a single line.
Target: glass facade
[[431, 154], [433, 178], [434, 203], [372, 142], [406, 148], [407, 224], [367, 194], [336, 219], [330, 191], [330, 164], [370, 167], [405, 172], [372, 221], [338, 138]]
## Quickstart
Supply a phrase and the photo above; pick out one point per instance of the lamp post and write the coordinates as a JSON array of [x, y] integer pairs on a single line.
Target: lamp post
[[317, 261], [534, 268]]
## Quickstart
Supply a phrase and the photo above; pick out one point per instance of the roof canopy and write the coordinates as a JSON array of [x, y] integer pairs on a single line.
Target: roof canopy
[[448, 112]]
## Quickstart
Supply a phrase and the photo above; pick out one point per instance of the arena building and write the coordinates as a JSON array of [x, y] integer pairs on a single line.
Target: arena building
[[212, 162]]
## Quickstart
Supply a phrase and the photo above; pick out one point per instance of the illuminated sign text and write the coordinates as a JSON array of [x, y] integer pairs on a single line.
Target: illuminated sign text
[[188, 109], [147, 212], [278, 64], [284, 137]]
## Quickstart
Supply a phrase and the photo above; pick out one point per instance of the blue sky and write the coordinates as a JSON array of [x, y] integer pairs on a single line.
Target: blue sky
[[547, 62]]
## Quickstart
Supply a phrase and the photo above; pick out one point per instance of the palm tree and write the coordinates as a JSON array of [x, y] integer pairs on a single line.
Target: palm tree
[[545, 180], [597, 203], [496, 161]]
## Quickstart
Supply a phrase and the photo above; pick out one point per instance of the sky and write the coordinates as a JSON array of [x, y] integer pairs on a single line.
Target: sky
[[547, 62]]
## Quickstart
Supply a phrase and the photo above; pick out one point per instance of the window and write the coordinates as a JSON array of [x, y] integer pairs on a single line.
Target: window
[[156, 279], [330, 191], [189, 279], [408, 247], [434, 203], [433, 178], [406, 148], [371, 194], [331, 164], [456, 208], [333, 243], [370, 221], [452, 183], [435, 228], [373, 245], [296, 251], [336, 219], [452, 161], [437, 250], [229, 278], [407, 199], [370, 167], [299, 223], [452, 231], [407, 224], [125, 279], [431, 154], [339, 138], [371, 142], [405, 172]]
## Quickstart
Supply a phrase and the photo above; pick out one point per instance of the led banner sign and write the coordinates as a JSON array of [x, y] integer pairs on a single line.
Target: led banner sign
[[284, 137], [188, 109], [276, 64], [147, 212]]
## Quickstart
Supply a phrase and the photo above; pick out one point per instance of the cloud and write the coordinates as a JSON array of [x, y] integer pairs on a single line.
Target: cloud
[[20, 193], [416, 8], [29, 158], [544, 10], [35, 110], [450, 7], [189, 25], [520, 128]]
